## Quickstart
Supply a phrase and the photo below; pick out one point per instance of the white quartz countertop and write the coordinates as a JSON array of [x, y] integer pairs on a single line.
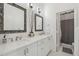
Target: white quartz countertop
[[8, 47]]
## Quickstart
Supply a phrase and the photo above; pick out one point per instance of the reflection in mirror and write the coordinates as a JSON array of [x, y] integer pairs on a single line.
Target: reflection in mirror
[[14, 18], [38, 23]]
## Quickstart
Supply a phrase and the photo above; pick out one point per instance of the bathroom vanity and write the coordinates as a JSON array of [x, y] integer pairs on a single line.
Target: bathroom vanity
[[28, 46], [15, 22]]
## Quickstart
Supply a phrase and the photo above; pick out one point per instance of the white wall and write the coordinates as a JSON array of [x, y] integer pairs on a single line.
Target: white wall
[[50, 22]]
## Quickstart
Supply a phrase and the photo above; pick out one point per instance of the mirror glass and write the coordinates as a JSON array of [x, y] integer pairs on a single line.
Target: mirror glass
[[14, 18], [38, 23]]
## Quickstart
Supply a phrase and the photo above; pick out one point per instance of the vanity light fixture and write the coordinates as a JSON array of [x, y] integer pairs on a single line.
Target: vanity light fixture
[[30, 5], [39, 11]]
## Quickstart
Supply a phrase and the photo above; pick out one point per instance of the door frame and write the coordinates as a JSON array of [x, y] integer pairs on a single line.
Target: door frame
[[58, 38]]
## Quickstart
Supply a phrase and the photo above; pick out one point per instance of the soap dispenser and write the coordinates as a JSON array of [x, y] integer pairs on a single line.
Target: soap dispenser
[[4, 40]]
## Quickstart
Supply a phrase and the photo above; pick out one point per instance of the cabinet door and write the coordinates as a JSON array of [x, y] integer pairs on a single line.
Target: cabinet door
[[35, 49], [52, 42], [41, 48], [31, 50], [49, 43], [18, 52], [46, 46]]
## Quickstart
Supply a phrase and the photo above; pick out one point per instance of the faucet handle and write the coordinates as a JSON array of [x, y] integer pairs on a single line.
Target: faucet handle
[[11, 39], [4, 36], [4, 40], [18, 38]]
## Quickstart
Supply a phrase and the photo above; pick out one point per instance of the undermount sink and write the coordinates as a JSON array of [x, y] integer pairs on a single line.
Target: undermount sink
[[25, 39]]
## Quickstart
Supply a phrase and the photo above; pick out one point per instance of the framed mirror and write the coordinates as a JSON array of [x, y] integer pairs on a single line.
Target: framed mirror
[[13, 19], [38, 23], [1, 16]]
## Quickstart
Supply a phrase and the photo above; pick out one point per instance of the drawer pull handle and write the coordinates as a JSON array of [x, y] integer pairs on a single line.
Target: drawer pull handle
[[25, 52]]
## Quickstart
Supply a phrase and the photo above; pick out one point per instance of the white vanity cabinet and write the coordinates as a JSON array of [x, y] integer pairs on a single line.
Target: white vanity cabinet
[[44, 46], [51, 43], [40, 47], [47, 45], [17, 52], [31, 50]]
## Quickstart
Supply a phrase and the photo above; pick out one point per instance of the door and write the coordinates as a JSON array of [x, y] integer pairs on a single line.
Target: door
[[67, 30], [40, 46], [31, 50]]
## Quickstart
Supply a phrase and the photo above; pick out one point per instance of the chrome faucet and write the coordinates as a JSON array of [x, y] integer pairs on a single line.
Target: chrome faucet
[[4, 40], [18, 38]]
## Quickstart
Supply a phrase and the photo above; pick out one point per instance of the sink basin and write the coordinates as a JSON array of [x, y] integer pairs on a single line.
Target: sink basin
[[25, 39]]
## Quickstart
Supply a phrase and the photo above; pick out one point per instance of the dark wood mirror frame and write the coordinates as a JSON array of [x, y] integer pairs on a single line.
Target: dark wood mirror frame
[[15, 31], [36, 15]]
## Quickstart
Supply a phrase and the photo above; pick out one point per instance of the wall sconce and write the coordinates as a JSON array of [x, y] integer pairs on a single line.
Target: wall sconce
[[30, 5], [39, 10], [31, 34]]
